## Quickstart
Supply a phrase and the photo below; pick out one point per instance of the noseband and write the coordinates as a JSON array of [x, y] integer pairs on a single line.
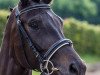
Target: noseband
[[43, 60]]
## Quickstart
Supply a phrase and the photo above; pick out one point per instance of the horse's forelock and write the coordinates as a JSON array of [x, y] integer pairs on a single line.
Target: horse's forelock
[[47, 1], [24, 1], [37, 1]]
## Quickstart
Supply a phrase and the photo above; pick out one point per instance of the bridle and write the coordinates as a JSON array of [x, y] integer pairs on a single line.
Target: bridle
[[43, 60]]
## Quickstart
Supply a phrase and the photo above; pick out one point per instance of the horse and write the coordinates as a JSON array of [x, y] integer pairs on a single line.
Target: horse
[[34, 40]]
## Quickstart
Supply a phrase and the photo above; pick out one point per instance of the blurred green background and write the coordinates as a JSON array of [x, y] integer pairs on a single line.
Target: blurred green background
[[81, 24]]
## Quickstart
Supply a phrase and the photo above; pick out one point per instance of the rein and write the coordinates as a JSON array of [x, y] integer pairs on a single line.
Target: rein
[[43, 60]]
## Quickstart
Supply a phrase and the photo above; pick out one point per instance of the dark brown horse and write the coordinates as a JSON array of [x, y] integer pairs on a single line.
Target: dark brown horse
[[34, 40]]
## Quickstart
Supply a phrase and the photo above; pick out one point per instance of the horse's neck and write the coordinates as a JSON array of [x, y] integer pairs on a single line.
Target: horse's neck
[[8, 65]]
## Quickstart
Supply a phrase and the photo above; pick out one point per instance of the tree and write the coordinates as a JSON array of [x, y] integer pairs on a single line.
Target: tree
[[5, 4], [80, 9]]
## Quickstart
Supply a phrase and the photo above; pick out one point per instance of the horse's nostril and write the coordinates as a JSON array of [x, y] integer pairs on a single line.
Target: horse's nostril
[[73, 69]]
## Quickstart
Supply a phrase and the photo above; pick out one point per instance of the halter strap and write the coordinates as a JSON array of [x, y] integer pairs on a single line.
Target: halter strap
[[37, 6], [53, 48]]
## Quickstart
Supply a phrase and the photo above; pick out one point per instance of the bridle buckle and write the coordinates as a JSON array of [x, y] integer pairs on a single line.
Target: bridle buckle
[[44, 67]]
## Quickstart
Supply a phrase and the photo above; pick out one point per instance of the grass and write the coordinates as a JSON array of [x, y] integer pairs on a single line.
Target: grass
[[90, 59], [35, 73]]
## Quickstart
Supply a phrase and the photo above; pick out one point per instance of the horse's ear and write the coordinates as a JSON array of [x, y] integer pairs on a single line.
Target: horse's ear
[[24, 2], [47, 1]]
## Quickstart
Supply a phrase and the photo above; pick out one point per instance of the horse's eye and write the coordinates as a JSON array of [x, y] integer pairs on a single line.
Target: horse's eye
[[34, 25]]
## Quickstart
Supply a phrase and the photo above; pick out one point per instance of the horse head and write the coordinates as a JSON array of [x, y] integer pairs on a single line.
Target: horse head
[[39, 43]]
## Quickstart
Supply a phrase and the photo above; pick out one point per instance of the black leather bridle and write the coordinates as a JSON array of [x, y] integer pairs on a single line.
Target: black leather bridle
[[43, 60]]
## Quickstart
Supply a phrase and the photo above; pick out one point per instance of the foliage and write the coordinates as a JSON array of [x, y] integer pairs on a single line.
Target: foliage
[[3, 19], [86, 37], [5, 4], [77, 7], [97, 18], [35, 73], [90, 58], [80, 9]]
